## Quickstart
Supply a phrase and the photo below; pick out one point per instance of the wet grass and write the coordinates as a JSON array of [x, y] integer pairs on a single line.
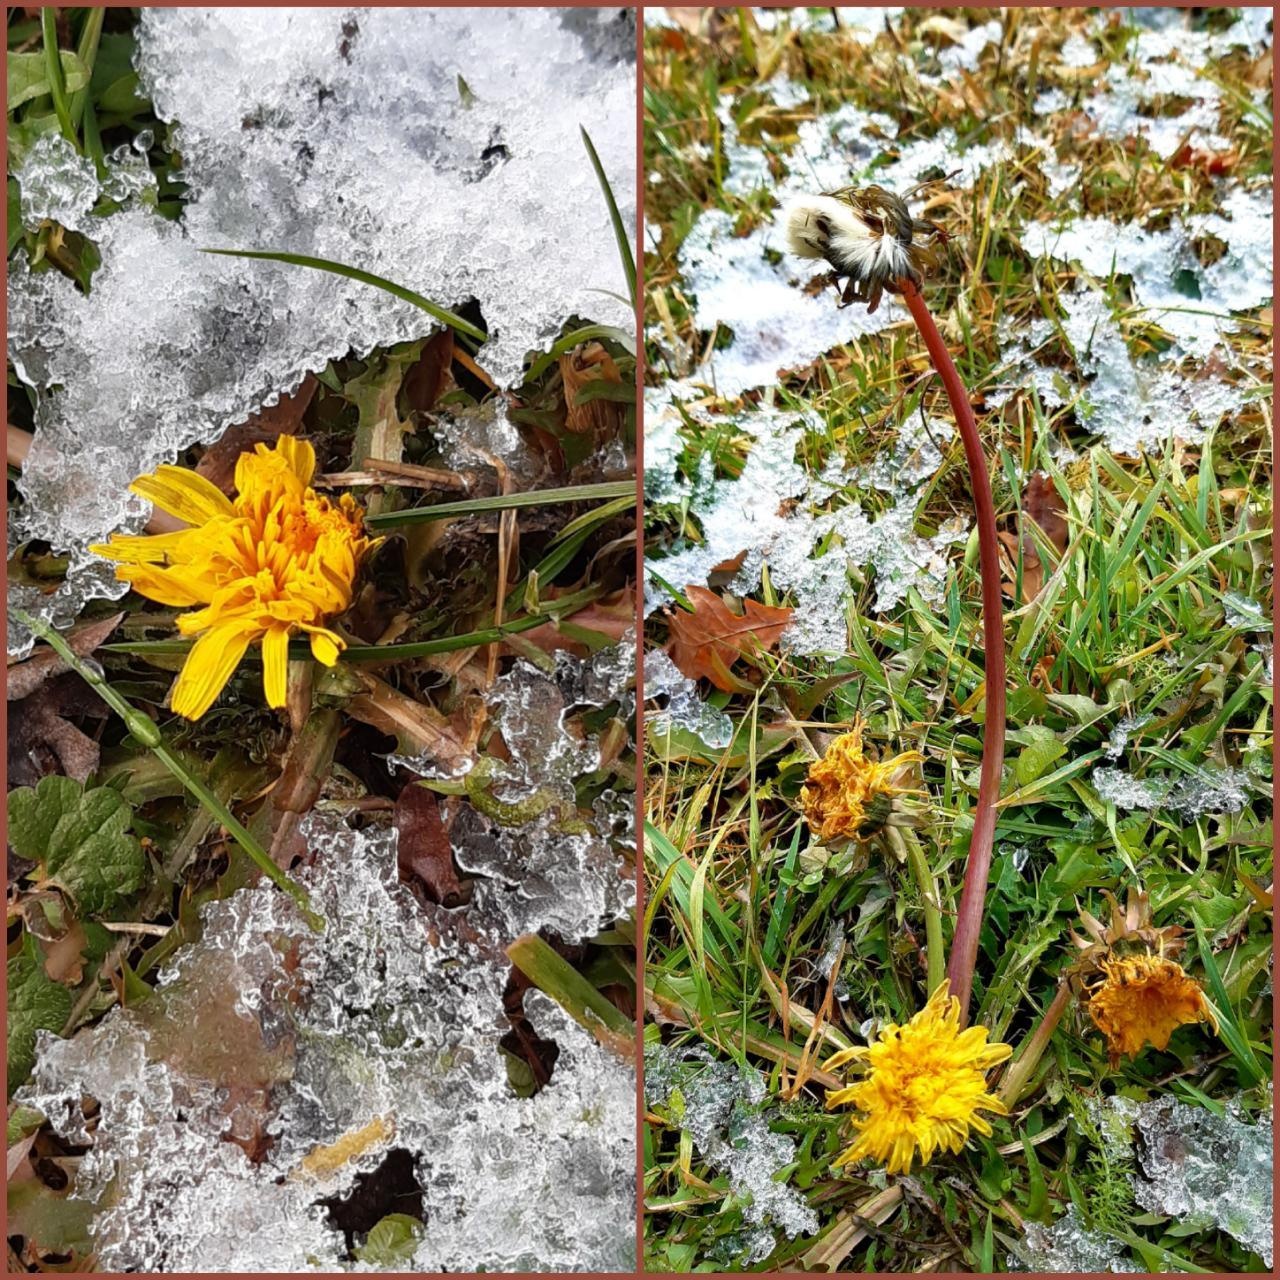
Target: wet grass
[[1132, 621]]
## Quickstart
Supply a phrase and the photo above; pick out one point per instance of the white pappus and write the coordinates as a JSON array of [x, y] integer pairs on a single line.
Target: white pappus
[[866, 234]]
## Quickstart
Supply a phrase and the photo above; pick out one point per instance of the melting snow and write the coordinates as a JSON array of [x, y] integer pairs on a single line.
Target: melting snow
[[1206, 1170], [683, 709], [1068, 1247], [391, 1018], [767, 514], [1194, 1166], [726, 1113], [1210, 790], [380, 1033], [341, 134]]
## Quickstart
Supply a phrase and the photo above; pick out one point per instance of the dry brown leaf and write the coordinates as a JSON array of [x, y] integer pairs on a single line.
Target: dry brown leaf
[[428, 380], [708, 641], [590, 363], [423, 849], [1043, 506], [417, 727], [42, 739]]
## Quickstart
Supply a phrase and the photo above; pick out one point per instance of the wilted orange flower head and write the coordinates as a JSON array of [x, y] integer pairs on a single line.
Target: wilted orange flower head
[[1143, 1000], [1133, 990], [276, 560], [839, 797]]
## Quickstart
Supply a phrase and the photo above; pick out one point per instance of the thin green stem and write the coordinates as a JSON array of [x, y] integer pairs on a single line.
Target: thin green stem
[[555, 612], [148, 733], [615, 217], [87, 52], [935, 948]]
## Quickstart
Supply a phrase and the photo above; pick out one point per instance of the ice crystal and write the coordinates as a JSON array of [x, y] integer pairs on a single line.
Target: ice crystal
[[1068, 1247], [1119, 737], [1078, 52], [965, 54], [1198, 1167], [57, 184], [380, 1033], [683, 708], [1208, 790], [540, 866], [726, 1112], [440, 148], [1207, 1170], [1243, 614]]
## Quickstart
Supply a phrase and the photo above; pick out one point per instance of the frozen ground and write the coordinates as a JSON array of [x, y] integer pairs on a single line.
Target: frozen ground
[[328, 1055], [769, 323], [1201, 1169], [438, 148]]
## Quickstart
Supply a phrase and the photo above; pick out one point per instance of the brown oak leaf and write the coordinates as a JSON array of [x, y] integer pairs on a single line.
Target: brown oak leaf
[[708, 641]]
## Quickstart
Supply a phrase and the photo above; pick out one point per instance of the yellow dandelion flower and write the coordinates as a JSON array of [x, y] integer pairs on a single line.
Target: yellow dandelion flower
[[845, 794], [276, 560], [1144, 999], [923, 1087]]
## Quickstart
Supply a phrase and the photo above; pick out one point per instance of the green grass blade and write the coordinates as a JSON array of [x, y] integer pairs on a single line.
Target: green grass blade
[[53, 67], [1247, 1064], [570, 340], [619, 231], [607, 491], [364, 277]]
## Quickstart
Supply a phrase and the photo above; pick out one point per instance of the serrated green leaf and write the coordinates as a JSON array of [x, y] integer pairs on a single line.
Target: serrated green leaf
[[36, 1003], [393, 1239], [35, 811], [81, 839]]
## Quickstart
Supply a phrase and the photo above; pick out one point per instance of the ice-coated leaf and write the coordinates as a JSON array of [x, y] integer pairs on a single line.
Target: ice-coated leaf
[[36, 1003], [392, 1240], [28, 76]]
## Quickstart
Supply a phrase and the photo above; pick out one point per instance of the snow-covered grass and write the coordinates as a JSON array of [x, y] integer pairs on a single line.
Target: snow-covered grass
[[1104, 298]]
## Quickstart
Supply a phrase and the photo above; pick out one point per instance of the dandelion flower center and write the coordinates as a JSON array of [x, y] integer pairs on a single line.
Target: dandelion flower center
[[923, 1087], [276, 560]]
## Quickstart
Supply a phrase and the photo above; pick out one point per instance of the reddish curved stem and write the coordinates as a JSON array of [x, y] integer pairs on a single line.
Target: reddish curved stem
[[964, 943]]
